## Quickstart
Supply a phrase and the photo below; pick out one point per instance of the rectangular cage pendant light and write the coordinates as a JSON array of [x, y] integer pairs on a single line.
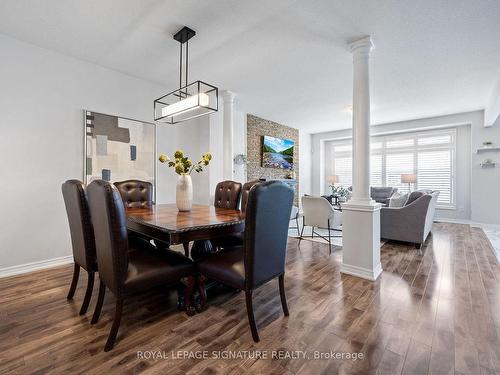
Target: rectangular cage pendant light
[[191, 100]]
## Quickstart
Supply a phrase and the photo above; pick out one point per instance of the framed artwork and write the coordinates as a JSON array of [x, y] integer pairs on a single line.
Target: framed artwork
[[277, 152], [118, 149]]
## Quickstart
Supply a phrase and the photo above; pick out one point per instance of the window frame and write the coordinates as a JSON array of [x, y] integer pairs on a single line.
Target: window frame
[[415, 148]]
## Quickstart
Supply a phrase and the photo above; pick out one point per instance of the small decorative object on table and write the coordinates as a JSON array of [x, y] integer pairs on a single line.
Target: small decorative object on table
[[339, 192], [183, 167]]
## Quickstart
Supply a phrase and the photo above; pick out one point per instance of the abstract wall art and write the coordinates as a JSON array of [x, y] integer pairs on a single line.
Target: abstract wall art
[[118, 149]]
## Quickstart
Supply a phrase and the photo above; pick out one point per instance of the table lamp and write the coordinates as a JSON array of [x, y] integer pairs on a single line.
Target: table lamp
[[333, 179], [408, 179]]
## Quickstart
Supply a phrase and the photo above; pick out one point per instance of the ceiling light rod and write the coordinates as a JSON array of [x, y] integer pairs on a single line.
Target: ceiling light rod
[[183, 36]]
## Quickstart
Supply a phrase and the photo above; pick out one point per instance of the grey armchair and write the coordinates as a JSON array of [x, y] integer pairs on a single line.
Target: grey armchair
[[411, 223]]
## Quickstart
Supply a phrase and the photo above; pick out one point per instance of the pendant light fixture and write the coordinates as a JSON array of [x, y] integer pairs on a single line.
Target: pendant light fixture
[[189, 100]]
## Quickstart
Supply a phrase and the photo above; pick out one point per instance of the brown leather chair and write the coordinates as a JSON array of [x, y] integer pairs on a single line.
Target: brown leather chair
[[227, 194], [135, 193], [236, 239], [245, 192], [138, 194], [126, 268], [262, 256], [82, 238]]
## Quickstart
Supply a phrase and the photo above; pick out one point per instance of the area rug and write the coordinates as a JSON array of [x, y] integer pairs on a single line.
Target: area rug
[[336, 241]]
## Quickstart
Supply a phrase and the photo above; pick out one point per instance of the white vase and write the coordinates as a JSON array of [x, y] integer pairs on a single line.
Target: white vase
[[184, 193]]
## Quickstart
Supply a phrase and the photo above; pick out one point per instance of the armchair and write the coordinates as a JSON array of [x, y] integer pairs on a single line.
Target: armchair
[[411, 223], [319, 213]]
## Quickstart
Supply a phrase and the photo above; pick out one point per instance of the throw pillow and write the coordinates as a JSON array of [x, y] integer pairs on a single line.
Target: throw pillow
[[414, 196], [398, 200]]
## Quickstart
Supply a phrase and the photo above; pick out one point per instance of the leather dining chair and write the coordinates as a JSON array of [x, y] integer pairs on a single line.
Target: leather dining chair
[[82, 238], [245, 192], [124, 268], [138, 194], [262, 256], [227, 194], [236, 239], [135, 193]]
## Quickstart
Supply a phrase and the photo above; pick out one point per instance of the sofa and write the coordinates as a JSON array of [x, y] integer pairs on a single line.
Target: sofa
[[413, 221], [382, 194]]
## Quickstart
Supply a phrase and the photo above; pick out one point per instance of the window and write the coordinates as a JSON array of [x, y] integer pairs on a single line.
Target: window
[[429, 155]]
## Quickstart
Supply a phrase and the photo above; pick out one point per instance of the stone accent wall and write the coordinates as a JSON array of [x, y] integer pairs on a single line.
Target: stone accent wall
[[257, 128]]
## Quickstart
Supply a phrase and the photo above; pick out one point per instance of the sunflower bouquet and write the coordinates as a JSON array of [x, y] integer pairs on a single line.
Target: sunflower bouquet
[[183, 165]]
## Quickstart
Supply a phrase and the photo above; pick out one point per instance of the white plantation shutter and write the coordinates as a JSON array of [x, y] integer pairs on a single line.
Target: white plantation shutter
[[397, 164], [343, 169], [430, 155], [434, 173], [376, 175]]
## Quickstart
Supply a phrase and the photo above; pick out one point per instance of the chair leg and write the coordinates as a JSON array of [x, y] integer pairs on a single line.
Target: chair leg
[[312, 232], [88, 293], [251, 317], [297, 222], [329, 239], [282, 294], [188, 295], [116, 324], [74, 282], [301, 233], [203, 293], [98, 306]]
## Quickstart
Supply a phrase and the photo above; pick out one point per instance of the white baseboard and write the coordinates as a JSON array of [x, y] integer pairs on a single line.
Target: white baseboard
[[35, 266], [453, 221], [361, 272]]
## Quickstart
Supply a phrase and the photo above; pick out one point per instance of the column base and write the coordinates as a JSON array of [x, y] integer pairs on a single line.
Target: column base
[[361, 272], [361, 239]]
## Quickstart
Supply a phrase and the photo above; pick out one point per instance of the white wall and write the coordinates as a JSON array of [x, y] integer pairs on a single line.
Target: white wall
[[193, 138], [492, 111], [305, 159], [485, 200], [476, 199], [41, 101]]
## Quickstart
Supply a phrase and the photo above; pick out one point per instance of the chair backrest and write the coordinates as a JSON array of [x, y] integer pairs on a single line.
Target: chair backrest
[[135, 193], [227, 194], [317, 211], [266, 231], [80, 225], [245, 191], [111, 236], [382, 194]]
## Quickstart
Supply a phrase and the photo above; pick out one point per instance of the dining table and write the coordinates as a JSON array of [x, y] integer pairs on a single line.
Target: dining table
[[165, 223]]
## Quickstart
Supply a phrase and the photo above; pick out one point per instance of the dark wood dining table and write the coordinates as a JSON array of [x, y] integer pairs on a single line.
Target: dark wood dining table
[[164, 222]]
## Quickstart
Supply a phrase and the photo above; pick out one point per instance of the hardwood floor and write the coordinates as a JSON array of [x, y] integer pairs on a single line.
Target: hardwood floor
[[435, 313]]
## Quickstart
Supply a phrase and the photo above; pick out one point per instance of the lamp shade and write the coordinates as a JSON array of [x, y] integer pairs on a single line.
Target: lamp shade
[[408, 178], [333, 179]]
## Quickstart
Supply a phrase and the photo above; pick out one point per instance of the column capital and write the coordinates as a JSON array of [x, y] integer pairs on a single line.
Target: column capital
[[228, 96], [364, 45]]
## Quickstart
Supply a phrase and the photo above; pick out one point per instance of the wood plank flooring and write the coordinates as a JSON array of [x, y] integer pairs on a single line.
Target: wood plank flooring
[[436, 313]]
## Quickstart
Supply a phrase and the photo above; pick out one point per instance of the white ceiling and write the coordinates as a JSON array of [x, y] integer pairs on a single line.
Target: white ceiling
[[286, 60]]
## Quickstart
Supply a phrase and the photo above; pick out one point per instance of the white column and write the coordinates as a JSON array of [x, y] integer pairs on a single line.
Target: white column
[[361, 215], [228, 138]]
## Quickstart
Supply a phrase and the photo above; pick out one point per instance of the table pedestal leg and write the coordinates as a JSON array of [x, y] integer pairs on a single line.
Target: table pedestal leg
[[186, 249], [201, 249]]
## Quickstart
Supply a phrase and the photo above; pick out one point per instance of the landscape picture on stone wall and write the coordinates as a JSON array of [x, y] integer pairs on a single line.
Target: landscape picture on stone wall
[[277, 153]]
